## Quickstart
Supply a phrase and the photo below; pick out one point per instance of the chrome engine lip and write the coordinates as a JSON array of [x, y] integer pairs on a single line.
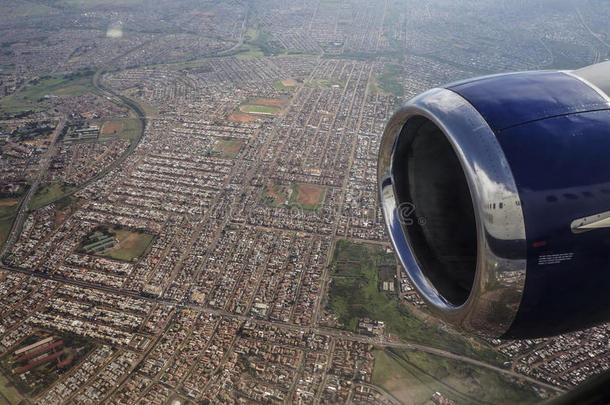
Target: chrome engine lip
[[498, 280]]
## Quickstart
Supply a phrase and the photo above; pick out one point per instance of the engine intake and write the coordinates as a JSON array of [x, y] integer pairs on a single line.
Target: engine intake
[[493, 195]]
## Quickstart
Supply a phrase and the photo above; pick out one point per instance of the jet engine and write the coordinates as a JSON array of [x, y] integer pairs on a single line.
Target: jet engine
[[496, 196]]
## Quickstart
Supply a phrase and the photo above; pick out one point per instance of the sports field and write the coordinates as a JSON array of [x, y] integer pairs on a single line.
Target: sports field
[[112, 128], [265, 106], [308, 196], [242, 117], [260, 109], [297, 195], [123, 244], [130, 245], [128, 128]]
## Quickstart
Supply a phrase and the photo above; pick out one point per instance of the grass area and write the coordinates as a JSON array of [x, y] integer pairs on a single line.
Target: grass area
[[8, 206], [414, 376], [227, 148], [131, 245], [47, 193], [128, 128], [389, 81], [65, 85], [5, 228], [303, 196], [8, 392], [285, 84], [247, 51], [354, 294], [122, 244], [307, 196], [260, 109], [276, 195], [148, 109]]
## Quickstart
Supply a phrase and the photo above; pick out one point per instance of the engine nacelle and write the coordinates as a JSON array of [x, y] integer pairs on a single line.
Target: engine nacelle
[[496, 195]]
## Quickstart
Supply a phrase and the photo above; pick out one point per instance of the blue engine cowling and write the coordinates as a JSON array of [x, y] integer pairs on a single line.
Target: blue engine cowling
[[496, 195]]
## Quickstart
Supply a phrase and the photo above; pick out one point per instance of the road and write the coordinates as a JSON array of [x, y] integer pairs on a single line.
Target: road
[[25, 203]]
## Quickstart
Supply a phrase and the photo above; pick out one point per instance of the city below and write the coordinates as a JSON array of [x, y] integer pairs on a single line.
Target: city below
[[189, 211]]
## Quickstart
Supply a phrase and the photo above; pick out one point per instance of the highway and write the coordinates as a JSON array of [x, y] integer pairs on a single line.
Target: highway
[[25, 203]]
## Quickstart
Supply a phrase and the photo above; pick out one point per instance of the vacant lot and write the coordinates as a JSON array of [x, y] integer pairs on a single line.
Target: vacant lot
[[125, 128], [241, 117], [277, 194], [289, 82], [227, 147], [274, 102], [309, 196], [8, 206], [354, 293], [48, 193], [112, 128], [413, 377]]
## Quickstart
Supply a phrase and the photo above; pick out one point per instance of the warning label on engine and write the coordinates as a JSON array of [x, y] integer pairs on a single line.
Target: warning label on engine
[[544, 260]]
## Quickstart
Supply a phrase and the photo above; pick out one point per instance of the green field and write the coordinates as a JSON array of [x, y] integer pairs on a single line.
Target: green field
[[413, 377], [354, 294], [308, 197], [8, 206], [248, 51], [47, 193], [260, 109], [131, 245], [279, 86], [128, 128], [27, 99], [128, 245], [8, 392], [5, 228], [389, 82]]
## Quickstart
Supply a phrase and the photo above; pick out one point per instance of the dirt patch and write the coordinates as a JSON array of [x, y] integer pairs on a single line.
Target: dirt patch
[[406, 394], [128, 242], [290, 82], [8, 203], [112, 128], [277, 194], [241, 117], [207, 13], [309, 194], [273, 102], [228, 147]]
